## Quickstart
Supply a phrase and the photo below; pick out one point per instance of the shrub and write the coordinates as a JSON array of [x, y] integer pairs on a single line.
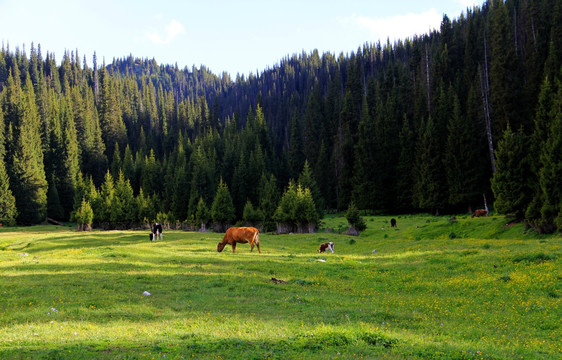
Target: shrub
[[354, 218]]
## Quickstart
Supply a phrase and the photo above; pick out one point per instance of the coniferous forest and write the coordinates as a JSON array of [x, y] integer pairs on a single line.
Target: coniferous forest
[[431, 123]]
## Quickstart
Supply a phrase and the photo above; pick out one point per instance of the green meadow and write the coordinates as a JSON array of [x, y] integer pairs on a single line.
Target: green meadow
[[430, 289]]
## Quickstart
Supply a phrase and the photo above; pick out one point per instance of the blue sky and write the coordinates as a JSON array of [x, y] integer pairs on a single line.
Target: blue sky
[[236, 36]]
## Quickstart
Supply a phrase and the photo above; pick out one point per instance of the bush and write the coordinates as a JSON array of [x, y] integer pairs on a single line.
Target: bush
[[354, 218]]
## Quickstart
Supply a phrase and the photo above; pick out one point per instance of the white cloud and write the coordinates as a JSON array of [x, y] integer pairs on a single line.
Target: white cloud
[[400, 26], [173, 29]]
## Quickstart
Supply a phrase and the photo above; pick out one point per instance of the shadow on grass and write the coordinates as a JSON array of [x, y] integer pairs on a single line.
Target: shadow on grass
[[190, 345]]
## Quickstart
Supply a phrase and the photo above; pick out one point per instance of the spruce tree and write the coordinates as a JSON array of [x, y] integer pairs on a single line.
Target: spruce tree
[[70, 159], [54, 207], [550, 176], [222, 210], [269, 199], [365, 175], [8, 211], [460, 160], [509, 182], [285, 215], [110, 209], [252, 216], [428, 192], [202, 214], [542, 123], [306, 180], [405, 167], [28, 174], [126, 202], [354, 218]]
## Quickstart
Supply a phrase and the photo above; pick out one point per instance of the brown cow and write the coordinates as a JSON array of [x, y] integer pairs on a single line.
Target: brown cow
[[241, 235], [480, 212]]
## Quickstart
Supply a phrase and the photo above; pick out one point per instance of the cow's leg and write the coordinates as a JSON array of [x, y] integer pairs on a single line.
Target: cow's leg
[[234, 247]]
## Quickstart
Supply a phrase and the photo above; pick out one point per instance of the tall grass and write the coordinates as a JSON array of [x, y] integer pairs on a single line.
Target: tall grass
[[489, 292]]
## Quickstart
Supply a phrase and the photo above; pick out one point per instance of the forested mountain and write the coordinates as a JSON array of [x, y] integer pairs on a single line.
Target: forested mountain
[[423, 124]]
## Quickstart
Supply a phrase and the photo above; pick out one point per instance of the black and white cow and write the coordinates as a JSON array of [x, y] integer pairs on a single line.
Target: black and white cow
[[156, 232]]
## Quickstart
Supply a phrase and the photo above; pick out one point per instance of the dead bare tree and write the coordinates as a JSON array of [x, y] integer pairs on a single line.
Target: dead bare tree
[[485, 87]]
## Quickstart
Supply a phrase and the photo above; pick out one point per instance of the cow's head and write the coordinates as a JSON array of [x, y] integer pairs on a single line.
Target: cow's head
[[220, 246]]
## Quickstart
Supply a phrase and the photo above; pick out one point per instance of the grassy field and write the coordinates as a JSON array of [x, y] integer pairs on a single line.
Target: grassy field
[[433, 289]]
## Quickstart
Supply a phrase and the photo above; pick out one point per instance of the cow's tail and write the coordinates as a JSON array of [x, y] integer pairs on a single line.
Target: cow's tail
[[257, 240]]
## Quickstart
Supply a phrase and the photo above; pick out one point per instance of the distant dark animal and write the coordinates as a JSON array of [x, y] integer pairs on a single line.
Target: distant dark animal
[[480, 212], [242, 235], [393, 222], [326, 246], [156, 232]]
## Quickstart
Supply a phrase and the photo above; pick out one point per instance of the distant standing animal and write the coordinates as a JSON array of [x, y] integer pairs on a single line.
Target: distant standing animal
[[156, 232], [480, 212], [393, 222], [242, 235], [326, 246]]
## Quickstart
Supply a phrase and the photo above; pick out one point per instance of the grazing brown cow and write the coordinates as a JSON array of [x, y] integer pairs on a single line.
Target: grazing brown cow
[[241, 235], [480, 212]]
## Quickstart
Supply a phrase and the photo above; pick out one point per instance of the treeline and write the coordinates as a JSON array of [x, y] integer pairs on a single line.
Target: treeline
[[423, 124]]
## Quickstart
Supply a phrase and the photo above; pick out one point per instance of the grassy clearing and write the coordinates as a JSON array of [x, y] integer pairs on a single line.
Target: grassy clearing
[[434, 289]]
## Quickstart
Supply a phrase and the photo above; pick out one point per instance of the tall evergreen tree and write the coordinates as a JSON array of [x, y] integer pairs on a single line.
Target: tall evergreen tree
[[28, 173], [428, 189], [509, 182], [306, 181], [8, 211], [222, 210], [550, 176], [54, 208], [405, 167], [70, 159]]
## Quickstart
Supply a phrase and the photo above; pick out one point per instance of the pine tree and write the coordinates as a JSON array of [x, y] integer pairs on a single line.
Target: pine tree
[[405, 167], [365, 175], [460, 159], [8, 211], [550, 176], [542, 121], [84, 216], [129, 167], [427, 189], [222, 210], [202, 214], [70, 159], [124, 201], [116, 164], [305, 212], [28, 174], [509, 182], [354, 218], [296, 151], [252, 216], [111, 119], [269, 199], [306, 180], [109, 209], [285, 214], [54, 207]]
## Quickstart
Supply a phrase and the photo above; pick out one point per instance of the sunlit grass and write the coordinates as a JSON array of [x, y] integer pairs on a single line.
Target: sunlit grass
[[421, 294]]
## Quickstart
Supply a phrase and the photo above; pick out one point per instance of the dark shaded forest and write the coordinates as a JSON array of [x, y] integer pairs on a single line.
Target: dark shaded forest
[[432, 123]]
